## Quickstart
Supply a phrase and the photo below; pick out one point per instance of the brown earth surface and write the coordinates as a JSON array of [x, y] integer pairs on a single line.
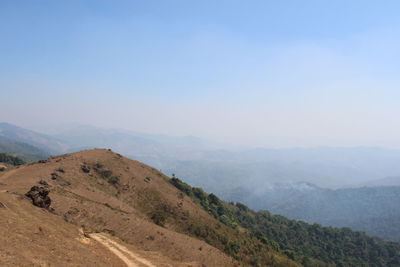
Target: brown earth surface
[[112, 200]]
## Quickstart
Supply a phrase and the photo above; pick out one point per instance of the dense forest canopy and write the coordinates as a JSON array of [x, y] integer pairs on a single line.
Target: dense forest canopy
[[309, 244]]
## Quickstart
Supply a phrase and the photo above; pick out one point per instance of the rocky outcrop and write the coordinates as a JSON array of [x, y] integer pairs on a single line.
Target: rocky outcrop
[[39, 196]]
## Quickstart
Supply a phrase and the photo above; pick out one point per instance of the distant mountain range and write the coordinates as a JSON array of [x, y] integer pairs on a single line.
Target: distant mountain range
[[291, 182], [387, 181], [208, 164], [148, 147], [200, 161], [9, 132]]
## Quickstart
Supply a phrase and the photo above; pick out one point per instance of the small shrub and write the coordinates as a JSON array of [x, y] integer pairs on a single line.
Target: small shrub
[[114, 180], [242, 207], [289, 253], [159, 217], [232, 248], [98, 165], [105, 174], [199, 193], [214, 199], [184, 187], [201, 231]]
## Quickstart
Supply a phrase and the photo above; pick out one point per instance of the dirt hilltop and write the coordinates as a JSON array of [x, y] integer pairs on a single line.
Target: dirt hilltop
[[106, 210]]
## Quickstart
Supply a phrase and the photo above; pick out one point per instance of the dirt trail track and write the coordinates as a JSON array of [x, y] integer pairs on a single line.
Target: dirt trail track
[[130, 259]]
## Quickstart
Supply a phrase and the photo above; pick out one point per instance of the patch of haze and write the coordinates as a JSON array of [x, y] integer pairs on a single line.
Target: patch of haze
[[299, 94]]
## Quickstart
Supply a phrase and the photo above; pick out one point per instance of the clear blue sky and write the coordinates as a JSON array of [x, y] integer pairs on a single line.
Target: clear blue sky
[[267, 73]]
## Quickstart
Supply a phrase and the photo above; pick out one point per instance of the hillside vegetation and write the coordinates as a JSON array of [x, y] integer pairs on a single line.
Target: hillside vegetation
[[8, 159], [309, 244], [374, 210]]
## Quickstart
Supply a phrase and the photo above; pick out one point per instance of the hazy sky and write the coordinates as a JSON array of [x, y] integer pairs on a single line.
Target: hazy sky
[[266, 73]]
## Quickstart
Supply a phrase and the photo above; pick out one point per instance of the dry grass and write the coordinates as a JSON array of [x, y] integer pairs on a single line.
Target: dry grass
[[117, 196]]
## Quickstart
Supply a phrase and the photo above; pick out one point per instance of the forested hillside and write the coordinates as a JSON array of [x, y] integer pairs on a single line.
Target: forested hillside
[[309, 244], [371, 209], [8, 159]]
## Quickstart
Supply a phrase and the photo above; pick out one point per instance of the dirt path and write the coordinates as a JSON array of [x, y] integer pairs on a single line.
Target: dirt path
[[130, 259]]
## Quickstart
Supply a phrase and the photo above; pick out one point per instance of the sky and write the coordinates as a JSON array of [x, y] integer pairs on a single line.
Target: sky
[[256, 73]]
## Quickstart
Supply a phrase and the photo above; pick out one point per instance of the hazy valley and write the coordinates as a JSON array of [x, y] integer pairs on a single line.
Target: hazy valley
[[291, 182], [98, 196]]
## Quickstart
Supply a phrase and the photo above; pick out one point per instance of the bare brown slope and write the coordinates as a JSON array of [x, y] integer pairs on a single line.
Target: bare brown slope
[[101, 191], [34, 237]]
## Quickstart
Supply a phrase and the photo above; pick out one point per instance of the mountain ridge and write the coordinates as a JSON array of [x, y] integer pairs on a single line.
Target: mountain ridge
[[101, 191], [22, 135]]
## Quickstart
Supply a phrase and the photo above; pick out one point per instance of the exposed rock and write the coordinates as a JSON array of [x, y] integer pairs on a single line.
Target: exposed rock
[[39, 196], [43, 182], [85, 169], [54, 176]]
